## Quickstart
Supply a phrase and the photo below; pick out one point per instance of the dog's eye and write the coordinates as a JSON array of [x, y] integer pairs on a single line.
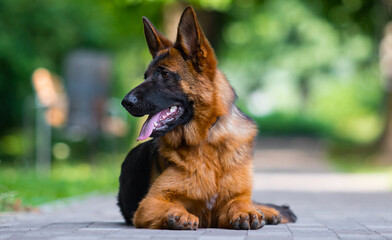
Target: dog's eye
[[165, 74]]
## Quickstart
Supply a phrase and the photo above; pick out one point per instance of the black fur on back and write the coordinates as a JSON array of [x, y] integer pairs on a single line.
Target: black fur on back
[[135, 177]]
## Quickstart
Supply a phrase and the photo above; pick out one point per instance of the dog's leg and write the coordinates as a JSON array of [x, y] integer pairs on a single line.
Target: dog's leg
[[271, 215], [239, 213], [155, 212], [275, 214]]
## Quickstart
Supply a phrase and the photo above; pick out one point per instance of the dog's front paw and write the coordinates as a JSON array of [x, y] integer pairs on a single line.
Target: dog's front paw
[[182, 220], [247, 220]]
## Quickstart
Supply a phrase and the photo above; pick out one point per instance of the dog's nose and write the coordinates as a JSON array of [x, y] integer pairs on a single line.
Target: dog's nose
[[129, 101]]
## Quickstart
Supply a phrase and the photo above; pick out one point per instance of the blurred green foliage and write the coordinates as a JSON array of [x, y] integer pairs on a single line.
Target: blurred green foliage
[[316, 61], [357, 164], [40, 33], [298, 66]]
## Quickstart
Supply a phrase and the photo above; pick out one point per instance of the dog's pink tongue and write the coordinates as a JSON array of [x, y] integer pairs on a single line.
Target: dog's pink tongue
[[148, 126]]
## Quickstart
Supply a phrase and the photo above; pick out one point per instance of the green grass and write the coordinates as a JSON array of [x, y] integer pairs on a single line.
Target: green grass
[[351, 157], [358, 164], [26, 187], [284, 124]]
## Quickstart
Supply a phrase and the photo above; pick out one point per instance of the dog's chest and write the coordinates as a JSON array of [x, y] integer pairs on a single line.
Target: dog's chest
[[210, 203], [211, 182], [207, 181], [204, 182], [206, 187]]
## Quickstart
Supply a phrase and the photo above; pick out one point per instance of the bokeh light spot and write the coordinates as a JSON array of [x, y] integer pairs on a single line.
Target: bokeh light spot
[[61, 151]]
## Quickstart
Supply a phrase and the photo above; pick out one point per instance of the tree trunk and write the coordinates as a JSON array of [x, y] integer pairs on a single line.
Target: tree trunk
[[386, 73]]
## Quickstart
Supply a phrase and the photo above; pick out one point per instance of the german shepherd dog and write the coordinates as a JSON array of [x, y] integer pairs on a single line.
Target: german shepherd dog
[[197, 169]]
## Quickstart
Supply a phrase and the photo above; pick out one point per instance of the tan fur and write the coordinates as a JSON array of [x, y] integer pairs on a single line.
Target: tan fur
[[207, 177]]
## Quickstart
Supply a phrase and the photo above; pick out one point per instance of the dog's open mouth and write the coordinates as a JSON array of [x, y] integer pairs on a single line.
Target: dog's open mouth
[[160, 121]]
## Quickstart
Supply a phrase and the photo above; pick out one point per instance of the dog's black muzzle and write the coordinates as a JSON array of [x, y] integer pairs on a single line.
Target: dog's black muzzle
[[147, 98], [138, 101]]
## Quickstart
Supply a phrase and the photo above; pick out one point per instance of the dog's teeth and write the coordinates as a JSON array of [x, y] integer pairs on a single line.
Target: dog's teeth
[[155, 124], [173, 108]]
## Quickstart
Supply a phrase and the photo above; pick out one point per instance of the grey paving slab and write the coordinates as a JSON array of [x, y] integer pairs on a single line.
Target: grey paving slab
[[387, 236], [321, 215]]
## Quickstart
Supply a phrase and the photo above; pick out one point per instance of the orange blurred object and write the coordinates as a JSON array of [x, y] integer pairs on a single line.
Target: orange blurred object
[[50, 93]]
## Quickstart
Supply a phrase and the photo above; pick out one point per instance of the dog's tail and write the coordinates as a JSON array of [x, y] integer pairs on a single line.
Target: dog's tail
[[286, 213]]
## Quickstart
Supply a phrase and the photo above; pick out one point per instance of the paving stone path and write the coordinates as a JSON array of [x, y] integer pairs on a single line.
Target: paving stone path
[[328, 205], [320, 216]]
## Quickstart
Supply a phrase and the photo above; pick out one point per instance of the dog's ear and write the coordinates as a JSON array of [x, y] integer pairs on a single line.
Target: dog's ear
[[155, 40], [190, 38]]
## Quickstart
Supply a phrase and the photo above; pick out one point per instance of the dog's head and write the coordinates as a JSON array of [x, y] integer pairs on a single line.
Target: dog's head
[[178, 82]]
